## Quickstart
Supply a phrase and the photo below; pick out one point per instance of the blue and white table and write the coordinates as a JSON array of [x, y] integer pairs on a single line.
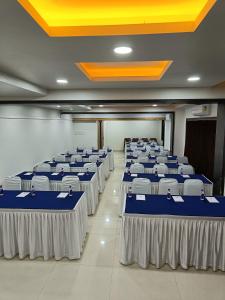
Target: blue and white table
[[152, 159], [88, 182], [159, 231], [42, 225], [79, 167], [173, 167], [127, 183]]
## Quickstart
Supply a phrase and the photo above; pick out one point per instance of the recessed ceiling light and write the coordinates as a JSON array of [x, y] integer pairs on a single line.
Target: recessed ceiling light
[[123, 50], [101, 105], [58, 106], [62, 81], [193, 78], [88, 107], [154, 105]]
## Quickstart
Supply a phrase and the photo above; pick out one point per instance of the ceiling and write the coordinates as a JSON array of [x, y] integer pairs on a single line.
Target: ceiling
[[27, 53]]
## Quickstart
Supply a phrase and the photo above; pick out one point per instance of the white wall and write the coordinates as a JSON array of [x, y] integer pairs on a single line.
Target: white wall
[[85, 134], [30, 135], [116, 131], [181, 115], [167, 134]]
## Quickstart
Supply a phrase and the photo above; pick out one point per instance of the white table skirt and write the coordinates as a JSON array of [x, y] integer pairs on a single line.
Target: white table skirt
[[111, 160], [150, 170], [105, 162], [47, 233], [174, 241], [90, 187], [124, 188]]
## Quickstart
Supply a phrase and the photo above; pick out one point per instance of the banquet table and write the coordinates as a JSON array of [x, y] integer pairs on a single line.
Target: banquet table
[[173, 167], [88, 182], [152, 159], [127, 182], [159, 231], [79, 167], [42, 225]]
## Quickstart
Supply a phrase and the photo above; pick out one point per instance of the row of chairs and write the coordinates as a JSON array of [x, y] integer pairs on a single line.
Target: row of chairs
[[162, 159], [192, 187], [42, 183], [162, 169], [76, 158], [88, 151], [91, 167]]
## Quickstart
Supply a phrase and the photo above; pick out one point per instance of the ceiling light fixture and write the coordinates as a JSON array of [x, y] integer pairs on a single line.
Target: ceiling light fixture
[[123, 50], [193, 78], [88, 107], [101, 105], [58, 106], [154, 105], [62, 81]]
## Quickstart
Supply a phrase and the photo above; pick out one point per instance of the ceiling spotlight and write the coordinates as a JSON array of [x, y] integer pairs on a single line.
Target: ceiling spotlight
[[101, 105], [88, 107], [193, 78], [58, 106], [123, 50], [62, 81], [154, 105]]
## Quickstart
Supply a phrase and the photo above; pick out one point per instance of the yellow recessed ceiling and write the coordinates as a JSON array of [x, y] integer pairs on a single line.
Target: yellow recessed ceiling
[[117, 17], [125, 71]]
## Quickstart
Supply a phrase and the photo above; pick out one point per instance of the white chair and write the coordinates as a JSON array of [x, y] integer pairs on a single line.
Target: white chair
[[186, 170], [160, 168], [90, 167], [70, 181], [137, 153], [141, 186], [12, 183], [60, 157], [102, 151], [43, 168], [93, 158], [65, 167], [161, 159], [143, 159], [76, 158], [168, 183], [87, 151], [182, 159], [40, 183], [137, 168], [193, 187]]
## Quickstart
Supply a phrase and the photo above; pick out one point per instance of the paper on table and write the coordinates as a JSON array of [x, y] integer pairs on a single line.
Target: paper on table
[[80, 174], [62, 195], [178, 199], [28, 173], [185, 176], [170, 156], [23, 194], [161, 175], [212, 200], [54, 174], [133, 175], [140, 197]]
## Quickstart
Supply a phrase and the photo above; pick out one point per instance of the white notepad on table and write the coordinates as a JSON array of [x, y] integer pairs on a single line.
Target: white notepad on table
[[23, 194], [62, 195], [185, 176], [140, 197], [169, 156], [54, 174], [178, 199], [161, 175], [28, 173], [133, 175], [212, 200], [80, 174]]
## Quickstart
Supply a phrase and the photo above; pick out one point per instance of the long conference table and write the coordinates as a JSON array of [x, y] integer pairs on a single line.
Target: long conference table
[[148, 167], [49, 224], [159, 231], [127, 183], [88, 183]]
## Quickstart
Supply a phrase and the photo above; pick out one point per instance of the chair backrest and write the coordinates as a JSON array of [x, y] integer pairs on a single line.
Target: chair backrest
[[93, 158], [137, 153], [193, 187], [161, 169], [12, 183], [102, 151], [60, 157], [182, 159], [40, 183], [65, 167], [168, 183], [87, 151], [143, 159], [43, 168], [161, 159], [91, 167], [137, 168], [186, 169], [141, 186], [70, 181], [76, 158]]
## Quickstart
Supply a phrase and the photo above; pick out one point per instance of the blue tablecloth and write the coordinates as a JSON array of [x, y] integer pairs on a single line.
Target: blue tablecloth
[[154, 178], [172, 158], [72, 165], [160, 205], [151, 165], [86, 155], [41, 200], [86, 177]]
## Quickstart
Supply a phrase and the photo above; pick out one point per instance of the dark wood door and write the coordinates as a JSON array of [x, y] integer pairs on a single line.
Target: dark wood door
[[200, 145]]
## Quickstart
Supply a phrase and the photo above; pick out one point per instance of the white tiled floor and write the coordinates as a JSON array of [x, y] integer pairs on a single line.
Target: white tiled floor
[[98, 275]]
